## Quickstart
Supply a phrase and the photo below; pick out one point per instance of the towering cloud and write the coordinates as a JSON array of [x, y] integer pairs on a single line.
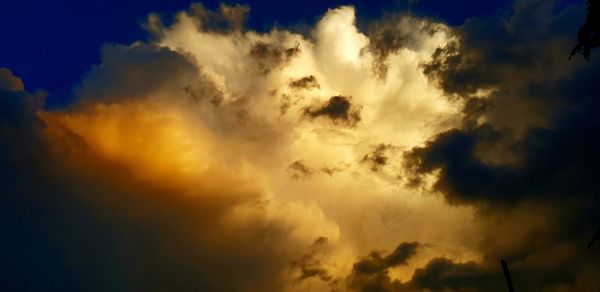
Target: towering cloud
[[527, 143], [211, 157]]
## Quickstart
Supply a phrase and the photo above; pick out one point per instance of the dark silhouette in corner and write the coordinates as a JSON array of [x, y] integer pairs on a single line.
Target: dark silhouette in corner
[[588, 38], [507, 277], [596, 237], [589, 34]]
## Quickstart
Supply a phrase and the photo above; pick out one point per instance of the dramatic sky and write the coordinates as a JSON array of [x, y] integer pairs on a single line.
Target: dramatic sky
[[297, 146]]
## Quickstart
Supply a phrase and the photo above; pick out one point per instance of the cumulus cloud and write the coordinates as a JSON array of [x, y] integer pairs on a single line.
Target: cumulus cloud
[[136, 72], [525, 142], [134, 199], [371, 273], [338, 109], [389, 35], [171, 169], [269, 56], [212, 157]]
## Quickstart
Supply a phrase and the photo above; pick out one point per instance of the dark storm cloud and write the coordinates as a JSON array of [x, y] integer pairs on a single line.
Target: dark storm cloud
[[375, 262], [339, 109], [528, 141], [74, 221], [138, 71], [371, 273], [384, 42], [388, 36], [10, 83], [311, 267], [552, 158], [39, 219], [129, 72], [270, 56], [18, 106], [307, 82], [441, 274], [553, 162], [520, 53]]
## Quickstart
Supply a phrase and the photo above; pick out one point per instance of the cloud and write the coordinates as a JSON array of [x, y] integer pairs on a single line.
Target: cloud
[[371, 273], [309, 266], [132, 198], [395, 32], [442, 274], [9, 81], [171, 167], [529, 163], [271, 56], [299, 170], [307, 82], [376, 263], [228, 19], [377, 158], [525, 143], [338, 109], [177, 165], [136, 72]]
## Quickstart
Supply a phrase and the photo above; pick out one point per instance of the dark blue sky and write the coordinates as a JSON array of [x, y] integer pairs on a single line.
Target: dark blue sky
[[50, 44]]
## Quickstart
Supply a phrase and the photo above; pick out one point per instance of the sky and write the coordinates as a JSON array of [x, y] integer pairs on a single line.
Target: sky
[[297, 146], [41, 33]]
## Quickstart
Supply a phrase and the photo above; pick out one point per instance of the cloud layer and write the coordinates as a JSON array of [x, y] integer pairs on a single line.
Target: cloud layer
[[409, 157]]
